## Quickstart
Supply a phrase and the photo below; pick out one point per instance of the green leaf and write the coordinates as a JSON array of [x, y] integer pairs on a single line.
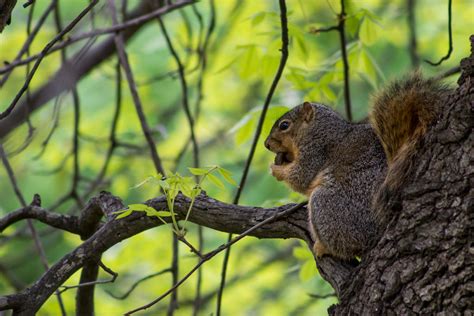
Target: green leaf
[[258, 18], [249, 62], [198, 171], [375, 65], [227, 175], [298, 80], [226, 66], [149, 211], [245, 128], [162, 213], [138, 207], [124, 214], [245, 132], [330, 95], [142, 183], [173, 192], [353, 22], [185, 185], [366, 69], [195, 192], [302, 253], [215, 180], [164, 184], [269, 65], [369, 32], [308, 270]]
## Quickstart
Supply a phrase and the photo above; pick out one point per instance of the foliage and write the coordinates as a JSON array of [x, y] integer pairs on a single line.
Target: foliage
[[174, 184], [241, 60]]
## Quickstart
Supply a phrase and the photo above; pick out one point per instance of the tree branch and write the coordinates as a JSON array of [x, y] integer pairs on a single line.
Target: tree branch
[[235, 219]]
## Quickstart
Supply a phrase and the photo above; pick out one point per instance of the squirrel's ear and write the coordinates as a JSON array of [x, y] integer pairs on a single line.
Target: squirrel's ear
[[308, 111]]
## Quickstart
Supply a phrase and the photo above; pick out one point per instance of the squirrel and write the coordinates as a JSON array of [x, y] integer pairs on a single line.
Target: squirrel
[[346, 169]]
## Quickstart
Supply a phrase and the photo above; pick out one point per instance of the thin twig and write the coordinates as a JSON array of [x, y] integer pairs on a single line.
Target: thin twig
[[216, 251], [134, 285], [173, 305], [322, 296], [75, 148], [276, 79], [34, 233], [184, 89], [448, 73], [197, 110], [31, 37], [324, 29], [450, 32], [31, 129], [43, 53], [123, 58], [28, 3], [345, 61], [190, 246], [112, 136], [415, 59], [185, 102], [113, 29], [105, 268]]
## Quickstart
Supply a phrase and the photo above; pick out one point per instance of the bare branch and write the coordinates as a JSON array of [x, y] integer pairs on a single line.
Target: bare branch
[[134, 285], [252, 221], [415, 59], [63, 222], [123, 58], [36, 202], [345, 61], [450, 34], [258, 131], [211, 254]]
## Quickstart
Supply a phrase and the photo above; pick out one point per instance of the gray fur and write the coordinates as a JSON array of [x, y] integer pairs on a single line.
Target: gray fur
[[352, 163]]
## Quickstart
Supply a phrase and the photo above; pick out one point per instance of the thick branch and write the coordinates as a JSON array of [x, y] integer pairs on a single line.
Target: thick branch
[[206, 211], [64, 222]]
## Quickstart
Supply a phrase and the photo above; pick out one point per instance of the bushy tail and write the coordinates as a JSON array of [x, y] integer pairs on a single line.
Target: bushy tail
[[403, 111], [401, 115]]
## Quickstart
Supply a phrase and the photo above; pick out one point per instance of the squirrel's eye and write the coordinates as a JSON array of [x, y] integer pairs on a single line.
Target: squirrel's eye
[[284, 125]]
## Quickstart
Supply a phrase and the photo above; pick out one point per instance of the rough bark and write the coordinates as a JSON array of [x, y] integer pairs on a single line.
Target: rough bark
[[206, 211], [424, 261]]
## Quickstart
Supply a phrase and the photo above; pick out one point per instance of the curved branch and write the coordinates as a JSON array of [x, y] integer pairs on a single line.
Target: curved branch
[[450, 34], [206, 210], [64, 222]]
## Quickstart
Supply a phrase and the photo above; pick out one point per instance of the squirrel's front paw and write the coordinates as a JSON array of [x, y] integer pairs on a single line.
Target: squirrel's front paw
[[279, 172], [319, 249]]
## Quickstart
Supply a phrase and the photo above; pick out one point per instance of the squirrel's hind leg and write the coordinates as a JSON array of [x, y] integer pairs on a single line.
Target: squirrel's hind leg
[[319, 249]]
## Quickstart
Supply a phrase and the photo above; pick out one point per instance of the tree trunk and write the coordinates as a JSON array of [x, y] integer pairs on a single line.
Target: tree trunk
[[424, 262]]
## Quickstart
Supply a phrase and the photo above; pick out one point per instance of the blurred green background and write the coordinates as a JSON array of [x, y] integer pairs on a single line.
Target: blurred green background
[[266, 277]]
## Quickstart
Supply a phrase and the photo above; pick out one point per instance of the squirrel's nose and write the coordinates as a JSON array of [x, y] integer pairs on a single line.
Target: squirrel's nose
[[267, 143]]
